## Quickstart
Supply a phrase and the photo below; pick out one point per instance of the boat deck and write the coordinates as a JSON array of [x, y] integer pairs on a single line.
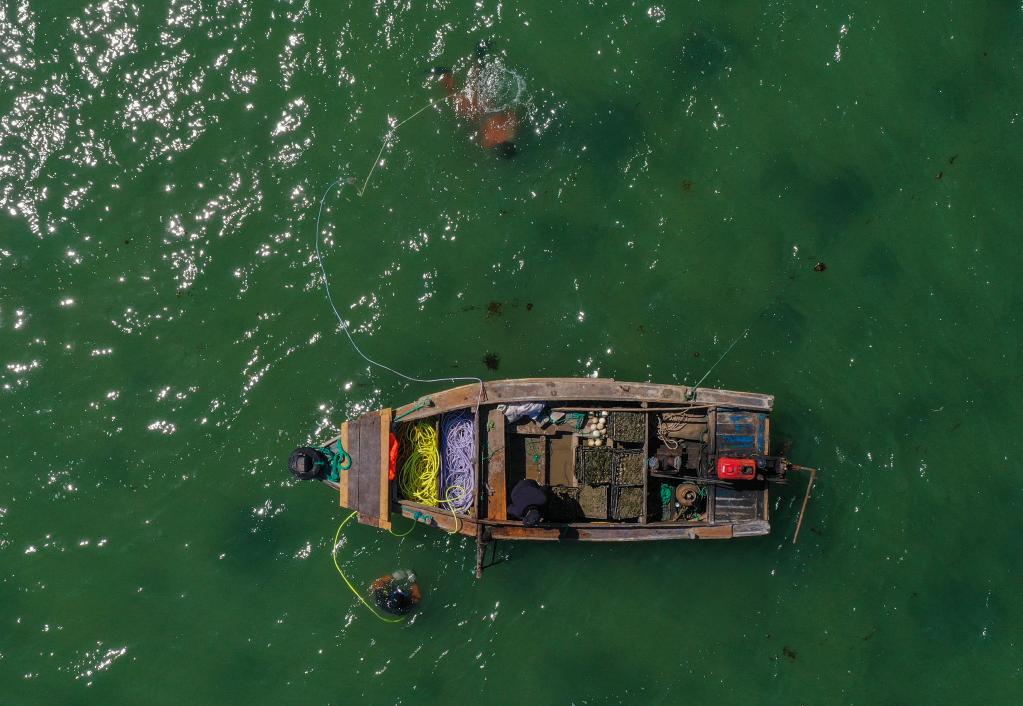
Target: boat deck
[[364, 486], [602, 509]]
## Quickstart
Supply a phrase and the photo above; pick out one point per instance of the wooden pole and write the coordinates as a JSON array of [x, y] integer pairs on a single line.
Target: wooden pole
[[806, 499], [645, 410], [481, 547]]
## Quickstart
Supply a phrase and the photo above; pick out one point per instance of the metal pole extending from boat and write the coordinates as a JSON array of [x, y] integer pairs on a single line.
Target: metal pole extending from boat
[[806, 498], [481, 548]]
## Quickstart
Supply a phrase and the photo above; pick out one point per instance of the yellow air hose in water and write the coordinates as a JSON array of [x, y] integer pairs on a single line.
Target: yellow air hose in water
[[333, 553], [420, 481]]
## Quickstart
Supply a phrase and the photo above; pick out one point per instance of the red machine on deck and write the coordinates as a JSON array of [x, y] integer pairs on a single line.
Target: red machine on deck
[[737, 469]]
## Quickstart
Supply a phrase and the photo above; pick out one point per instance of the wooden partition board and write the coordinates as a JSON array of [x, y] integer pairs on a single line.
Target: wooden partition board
[[343, 480], [384, 507], [497, 504]]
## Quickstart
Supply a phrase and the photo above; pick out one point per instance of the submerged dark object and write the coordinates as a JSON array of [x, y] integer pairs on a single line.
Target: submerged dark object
[[820, 267], [506, 150], [605, 492]]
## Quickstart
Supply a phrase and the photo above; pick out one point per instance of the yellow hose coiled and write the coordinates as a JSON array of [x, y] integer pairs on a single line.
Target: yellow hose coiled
[[420, 474]]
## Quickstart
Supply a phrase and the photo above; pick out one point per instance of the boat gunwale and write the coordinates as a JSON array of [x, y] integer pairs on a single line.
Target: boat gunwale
[[514, 390]]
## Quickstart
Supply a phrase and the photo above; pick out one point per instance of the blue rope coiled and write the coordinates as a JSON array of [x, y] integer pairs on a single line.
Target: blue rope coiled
[[458, 461]]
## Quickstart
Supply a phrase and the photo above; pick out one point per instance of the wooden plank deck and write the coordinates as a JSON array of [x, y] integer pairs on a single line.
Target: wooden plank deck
[[497, 503], [384, 509], [364, 486], [369, 469]]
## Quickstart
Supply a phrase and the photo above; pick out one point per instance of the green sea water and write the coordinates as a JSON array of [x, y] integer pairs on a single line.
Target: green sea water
[[165, 341]]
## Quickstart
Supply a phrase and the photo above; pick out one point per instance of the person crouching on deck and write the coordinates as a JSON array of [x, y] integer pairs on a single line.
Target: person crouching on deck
[[487, 100], [528, 502]]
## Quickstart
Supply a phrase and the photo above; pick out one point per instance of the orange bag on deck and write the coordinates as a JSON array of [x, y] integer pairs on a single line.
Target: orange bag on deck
[[392, 469]]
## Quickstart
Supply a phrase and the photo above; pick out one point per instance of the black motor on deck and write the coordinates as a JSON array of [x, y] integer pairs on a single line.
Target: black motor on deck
[[307, 463]]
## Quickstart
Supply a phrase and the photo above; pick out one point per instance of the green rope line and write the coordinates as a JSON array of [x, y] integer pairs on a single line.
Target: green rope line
[[338, 461], [418, 407]]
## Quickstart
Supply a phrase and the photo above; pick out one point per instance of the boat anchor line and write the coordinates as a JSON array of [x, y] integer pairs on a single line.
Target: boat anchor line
[[695, 388]]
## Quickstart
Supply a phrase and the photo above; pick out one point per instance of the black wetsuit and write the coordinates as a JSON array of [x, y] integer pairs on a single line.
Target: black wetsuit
[[527, 493]]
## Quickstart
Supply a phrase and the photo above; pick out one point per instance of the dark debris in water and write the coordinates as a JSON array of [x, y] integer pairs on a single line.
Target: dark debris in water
[[496, 309], [820, 267], [789, 652], [491, 360]]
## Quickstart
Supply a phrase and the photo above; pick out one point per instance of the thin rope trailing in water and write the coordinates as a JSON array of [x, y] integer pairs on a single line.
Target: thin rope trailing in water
[[458, 460], [721, 358], [333, 554], [330, 296], [420, 473], [383, 144], [779, 294]]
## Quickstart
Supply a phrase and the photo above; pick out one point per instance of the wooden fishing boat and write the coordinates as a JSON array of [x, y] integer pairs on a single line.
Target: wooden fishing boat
[[619, 461]]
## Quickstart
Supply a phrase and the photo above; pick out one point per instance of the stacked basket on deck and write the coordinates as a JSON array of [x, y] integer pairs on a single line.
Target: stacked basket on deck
[[611, 476]]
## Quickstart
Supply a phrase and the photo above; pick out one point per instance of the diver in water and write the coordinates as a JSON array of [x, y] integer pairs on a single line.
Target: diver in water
[[397, 593], [487, 100]]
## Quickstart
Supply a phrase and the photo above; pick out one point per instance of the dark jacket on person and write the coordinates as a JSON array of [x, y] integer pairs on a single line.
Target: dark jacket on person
[[527, 493]]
